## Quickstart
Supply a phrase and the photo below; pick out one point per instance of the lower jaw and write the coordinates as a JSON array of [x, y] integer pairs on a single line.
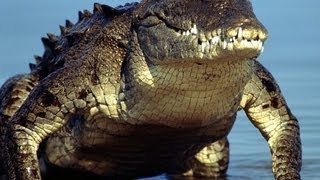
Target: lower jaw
[[233, 55]]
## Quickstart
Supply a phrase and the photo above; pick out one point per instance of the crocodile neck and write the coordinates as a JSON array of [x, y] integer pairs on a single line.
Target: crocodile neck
[[184, 95]]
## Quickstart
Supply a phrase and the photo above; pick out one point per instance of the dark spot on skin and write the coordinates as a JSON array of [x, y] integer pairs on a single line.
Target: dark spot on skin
[[270, 86], [210, 76], [41, 114], [83, 94], [198, 63], [49, 99], [265, 106], [275, 102]]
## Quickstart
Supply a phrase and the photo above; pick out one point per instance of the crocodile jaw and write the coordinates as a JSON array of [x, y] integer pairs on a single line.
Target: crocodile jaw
[[194, 45]]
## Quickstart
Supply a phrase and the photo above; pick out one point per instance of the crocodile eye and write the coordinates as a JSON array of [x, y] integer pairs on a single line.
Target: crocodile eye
[[150, 21]]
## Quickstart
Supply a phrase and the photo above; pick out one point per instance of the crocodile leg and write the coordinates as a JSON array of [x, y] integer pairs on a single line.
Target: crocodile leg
[[12, 94], [268, 111], [46, 110], [211, 161]]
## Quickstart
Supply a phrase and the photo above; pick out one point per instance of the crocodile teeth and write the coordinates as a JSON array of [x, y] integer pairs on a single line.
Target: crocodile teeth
[[203, 47], [217, 38], [219, 32], [260, 45], [194, 30], [240, 34], [224, 46]]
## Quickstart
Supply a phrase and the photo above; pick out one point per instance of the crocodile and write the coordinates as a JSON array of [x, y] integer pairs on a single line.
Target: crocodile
[[143, 89]]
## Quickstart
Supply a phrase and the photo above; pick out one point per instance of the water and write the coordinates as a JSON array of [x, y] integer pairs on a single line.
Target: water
[[291, 54]]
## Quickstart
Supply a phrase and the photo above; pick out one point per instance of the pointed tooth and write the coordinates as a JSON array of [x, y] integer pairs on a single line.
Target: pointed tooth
[[240, 34], [199, 47], [211, 42], [203, 47], [252, 44], [260, 45], [184, 33], [195, 42], [262, 49], [224, 46], [208, 35], [215, 40], [194, 30], [201, 55], [219, 32], [202, 37], [188, 33], [207, 46], [214, 33]]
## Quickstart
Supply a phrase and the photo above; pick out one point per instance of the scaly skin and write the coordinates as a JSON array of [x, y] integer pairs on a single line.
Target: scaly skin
[[145, 89], [268, 111], [13, 93]]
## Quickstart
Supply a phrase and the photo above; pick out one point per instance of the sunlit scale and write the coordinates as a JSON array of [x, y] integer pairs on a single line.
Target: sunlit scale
[[217, 39]]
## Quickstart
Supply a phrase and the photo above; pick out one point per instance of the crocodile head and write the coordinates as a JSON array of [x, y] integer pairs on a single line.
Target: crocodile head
[[187, 55], [198, 30]]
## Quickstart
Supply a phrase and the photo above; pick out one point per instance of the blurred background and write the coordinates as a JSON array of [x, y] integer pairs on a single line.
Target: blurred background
[[292, 54]]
